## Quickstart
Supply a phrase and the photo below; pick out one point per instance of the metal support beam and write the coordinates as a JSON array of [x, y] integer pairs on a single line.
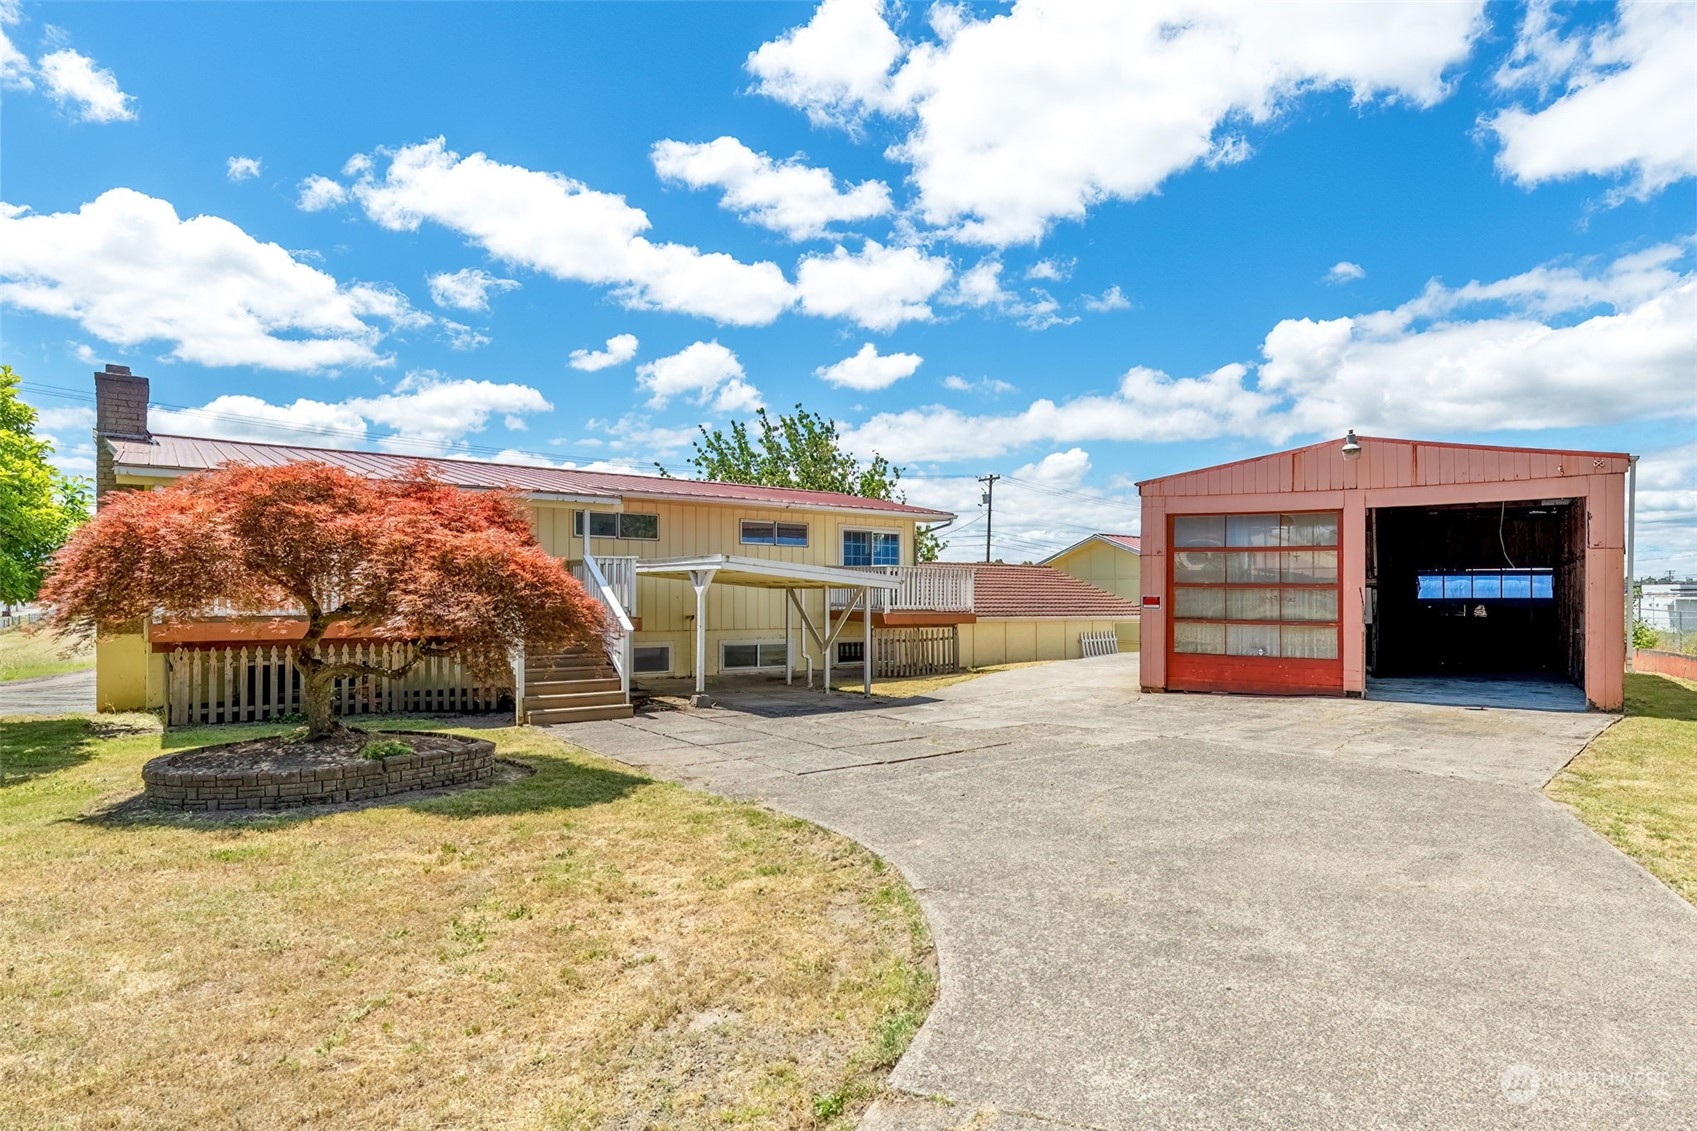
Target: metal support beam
[[699, 580], [789, 641], [866, 643]]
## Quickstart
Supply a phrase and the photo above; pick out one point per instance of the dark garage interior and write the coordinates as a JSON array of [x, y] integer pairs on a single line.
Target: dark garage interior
[[1490, 590]]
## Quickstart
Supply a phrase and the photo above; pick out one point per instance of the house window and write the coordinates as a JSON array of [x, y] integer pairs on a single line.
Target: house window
[[652, 659], [871, 548], [773, 533], [1256, 585], [1486, 585], [751, 655], [851, 651], [604, 524]]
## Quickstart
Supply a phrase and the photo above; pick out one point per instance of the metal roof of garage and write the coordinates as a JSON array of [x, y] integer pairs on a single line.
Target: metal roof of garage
[[1384, 462]]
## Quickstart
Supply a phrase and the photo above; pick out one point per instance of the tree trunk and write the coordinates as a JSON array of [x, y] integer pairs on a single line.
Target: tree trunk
[[317, 694]]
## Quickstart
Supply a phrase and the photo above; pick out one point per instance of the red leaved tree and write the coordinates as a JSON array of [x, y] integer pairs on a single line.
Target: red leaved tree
[[440, 570]]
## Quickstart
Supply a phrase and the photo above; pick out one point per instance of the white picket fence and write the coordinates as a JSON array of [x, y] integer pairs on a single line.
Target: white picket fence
[[915, 651], [252, 683], [1105, 643]]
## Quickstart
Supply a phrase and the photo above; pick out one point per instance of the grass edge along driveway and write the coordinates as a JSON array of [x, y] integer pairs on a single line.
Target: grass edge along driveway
[[1636, 783], [582, 947]]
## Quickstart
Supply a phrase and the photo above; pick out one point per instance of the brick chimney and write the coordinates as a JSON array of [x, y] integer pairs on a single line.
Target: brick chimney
[[120, 412]]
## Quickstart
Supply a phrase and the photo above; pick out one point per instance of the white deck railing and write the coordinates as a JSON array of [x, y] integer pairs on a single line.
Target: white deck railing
[[927, 588], [620, 576], [619, 627]]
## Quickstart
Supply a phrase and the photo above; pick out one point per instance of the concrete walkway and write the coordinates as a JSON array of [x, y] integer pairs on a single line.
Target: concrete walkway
[[1182, 911], [69, 694]]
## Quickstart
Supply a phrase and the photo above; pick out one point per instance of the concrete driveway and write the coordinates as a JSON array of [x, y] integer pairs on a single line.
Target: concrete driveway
[[1183, 911]]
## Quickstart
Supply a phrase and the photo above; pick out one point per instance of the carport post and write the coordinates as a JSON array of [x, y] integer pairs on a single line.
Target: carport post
[[866, 639], [789, 655], [826, 659], [699, 580]]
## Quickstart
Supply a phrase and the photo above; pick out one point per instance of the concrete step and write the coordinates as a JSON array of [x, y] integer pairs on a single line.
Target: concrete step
[[554, 717], [569, 686], [581, 699], [568, 675]]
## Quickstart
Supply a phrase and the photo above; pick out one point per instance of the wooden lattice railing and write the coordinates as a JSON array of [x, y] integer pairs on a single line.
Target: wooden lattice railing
[[252, 683]]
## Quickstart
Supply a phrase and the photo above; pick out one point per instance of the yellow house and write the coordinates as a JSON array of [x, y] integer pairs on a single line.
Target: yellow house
[[702, 577], [1108, 561], [698, 579]]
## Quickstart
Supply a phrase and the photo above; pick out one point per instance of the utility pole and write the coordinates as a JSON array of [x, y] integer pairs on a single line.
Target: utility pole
[[989, 500]]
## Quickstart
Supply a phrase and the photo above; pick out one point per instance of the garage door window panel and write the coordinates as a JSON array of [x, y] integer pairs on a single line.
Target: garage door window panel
[[1257, 586]]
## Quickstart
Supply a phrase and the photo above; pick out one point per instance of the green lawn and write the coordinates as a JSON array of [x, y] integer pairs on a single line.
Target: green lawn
[[27, 654], [1637, 782], [582, 947]]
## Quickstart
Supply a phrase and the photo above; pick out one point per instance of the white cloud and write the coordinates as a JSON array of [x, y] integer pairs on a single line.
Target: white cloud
[[788, 197], [868, 369], [1627, 107], [707, 372], [1035, 114], [320, 193], [1558, 346], [1051, 270], [1147, 405], [1667, 512], [64, 419], [989, 385], [1343, 271], [463, 337], [837, 67], [242, 168], [74, 81], [880, 288], [981, 287], [14, 64], [620, 349], [130, 271], [1041, 507], [467, 288], [551, 223], [1111, 299], [425, 413]]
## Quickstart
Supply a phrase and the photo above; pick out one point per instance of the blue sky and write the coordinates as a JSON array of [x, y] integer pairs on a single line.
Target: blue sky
[[1075, 247]]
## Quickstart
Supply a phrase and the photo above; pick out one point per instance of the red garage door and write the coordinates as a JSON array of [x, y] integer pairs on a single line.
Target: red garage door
[[1255, 603]]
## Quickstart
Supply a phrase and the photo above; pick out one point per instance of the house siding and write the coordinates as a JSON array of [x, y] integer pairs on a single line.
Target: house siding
[[1020, 640], [1106, 567]]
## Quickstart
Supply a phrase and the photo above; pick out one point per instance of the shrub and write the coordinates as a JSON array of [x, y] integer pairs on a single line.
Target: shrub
[[380, 748]]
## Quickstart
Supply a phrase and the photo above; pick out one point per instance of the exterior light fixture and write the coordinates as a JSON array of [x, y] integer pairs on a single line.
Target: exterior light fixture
[[1351, 446]]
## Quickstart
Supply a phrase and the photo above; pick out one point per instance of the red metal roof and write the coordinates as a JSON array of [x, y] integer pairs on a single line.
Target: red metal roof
[[1131, 542], [196, 453], [1384, 462], [1041, 591]]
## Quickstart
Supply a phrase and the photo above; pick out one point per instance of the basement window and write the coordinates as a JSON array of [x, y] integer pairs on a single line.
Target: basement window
[[652, 659], [751, 655]]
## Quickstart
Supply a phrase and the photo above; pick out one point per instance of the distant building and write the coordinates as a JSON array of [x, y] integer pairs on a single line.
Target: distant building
[[1668, 606]]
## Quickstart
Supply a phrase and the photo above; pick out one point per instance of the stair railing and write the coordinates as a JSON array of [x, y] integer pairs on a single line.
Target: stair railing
[[620, 628]]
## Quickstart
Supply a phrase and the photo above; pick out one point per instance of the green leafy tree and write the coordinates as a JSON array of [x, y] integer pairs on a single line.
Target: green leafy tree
[[39, 506], [803, 451], [1643, 636]]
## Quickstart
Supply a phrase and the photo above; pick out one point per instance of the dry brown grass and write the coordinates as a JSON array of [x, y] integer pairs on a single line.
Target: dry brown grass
[[582, 948]]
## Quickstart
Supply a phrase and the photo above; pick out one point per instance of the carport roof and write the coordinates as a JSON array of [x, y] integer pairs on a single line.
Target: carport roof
[[762, 573]]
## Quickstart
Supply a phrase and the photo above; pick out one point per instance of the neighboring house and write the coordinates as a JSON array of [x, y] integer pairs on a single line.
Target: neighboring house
[[700, 578], [1108, 561], [1036, 612]]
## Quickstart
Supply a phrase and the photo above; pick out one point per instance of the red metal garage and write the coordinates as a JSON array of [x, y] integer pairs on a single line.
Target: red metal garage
[[1312, 570]]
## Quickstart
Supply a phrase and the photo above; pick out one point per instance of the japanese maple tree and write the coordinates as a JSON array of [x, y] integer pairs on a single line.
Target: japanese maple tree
[[437, 569]]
